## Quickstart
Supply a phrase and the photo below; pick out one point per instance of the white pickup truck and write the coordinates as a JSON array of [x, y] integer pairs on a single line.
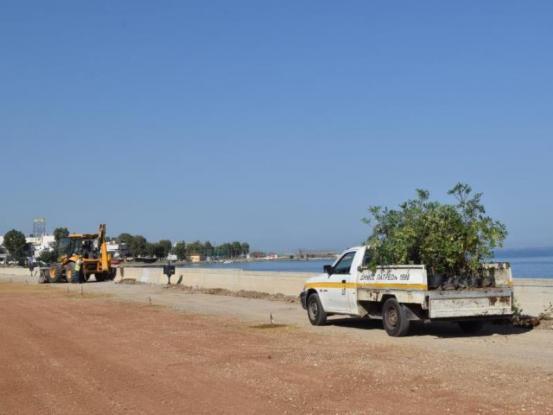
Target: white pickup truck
[[399, 294]]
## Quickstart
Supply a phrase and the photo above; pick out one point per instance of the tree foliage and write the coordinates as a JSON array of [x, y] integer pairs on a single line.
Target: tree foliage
[[139, 246], [180, 250], [48, 256], [125, 238], [450, 239], [60, 233], [163, 248], [15, 243]]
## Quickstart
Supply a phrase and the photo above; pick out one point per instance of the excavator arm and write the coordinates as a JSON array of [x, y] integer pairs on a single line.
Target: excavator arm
[[104, 256]]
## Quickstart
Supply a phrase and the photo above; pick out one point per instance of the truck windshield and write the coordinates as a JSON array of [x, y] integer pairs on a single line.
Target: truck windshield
[[344, 265]]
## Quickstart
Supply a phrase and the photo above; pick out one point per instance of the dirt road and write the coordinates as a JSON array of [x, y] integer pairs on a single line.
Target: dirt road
[[63, 352]]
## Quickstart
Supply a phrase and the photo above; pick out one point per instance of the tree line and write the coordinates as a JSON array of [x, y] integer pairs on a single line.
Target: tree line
[[19, 250], [138, 246], [206, 249]]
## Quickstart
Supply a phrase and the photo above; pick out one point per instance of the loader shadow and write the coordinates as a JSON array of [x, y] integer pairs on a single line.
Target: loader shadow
[[435, 329]]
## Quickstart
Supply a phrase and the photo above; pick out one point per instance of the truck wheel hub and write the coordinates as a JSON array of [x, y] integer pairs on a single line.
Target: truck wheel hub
[[392, 316], [313, 309]]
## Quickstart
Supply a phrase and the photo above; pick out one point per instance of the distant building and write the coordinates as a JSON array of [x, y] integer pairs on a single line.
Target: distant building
[[39, 227], [41, 243], [195, 258], [118, 249], [3, 254], [37, 245]]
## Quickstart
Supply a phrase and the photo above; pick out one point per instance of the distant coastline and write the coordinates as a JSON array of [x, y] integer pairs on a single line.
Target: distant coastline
[[524, 252]]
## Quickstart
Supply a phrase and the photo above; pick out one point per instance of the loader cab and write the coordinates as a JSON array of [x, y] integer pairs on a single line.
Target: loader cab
[[67, 246], [86, 247]]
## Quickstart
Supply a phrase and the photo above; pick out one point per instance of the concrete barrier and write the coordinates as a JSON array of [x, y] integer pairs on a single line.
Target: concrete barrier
[[532, 295], [287, 283], [16, 272]]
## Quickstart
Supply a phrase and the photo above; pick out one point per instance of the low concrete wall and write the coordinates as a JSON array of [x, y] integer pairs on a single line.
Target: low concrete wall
[[532, 295], [287, 283], [15, 272]]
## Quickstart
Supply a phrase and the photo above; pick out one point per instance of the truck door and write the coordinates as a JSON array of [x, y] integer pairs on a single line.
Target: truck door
[[336, 297]]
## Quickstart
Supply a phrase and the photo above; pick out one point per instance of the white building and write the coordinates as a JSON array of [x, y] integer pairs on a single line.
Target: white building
[[38, 245], [118, 250], [3, 255], [41, 243]]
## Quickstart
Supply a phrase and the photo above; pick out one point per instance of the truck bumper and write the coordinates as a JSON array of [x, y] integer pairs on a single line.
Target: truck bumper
[[303, 299]]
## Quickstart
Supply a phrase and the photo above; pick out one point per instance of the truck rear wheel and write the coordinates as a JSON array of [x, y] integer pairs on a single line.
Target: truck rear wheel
[[394, 317], [471, 327], [100, 276], [315, 311]]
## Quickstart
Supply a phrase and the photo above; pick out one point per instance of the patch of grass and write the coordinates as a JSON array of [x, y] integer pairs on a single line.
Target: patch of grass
[[76, 295], [241, 293], [269, 326]]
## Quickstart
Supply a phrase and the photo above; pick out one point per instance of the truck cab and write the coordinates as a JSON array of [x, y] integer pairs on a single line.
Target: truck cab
[[399, 294]]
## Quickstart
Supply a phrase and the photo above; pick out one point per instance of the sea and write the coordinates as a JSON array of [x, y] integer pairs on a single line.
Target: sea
[[523, 267]]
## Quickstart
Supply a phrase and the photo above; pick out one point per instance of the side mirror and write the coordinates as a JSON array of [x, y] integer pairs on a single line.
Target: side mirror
[[328, 269]]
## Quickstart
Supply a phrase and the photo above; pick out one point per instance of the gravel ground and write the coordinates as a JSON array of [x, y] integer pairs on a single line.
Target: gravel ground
[[108, 350]]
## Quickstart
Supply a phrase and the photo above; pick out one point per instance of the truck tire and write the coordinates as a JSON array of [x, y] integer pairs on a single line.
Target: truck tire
[[470, 327], [394, 318], [100, 277], [315, 311], [55, 274]]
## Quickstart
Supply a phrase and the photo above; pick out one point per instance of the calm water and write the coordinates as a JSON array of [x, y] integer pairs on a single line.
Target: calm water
[[530, 267]]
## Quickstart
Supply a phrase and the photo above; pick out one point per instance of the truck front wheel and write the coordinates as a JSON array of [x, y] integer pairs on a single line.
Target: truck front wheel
[[394, 317], [315, 311]]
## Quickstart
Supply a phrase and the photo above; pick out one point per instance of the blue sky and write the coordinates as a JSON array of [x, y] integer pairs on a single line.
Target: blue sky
[[278, 123]]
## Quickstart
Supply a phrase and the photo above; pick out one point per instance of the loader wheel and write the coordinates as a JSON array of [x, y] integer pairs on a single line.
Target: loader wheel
[[55, 274], [70, 275], [394, 317], [470, 327], [315, 311], [100, 277], [76, 277], [43, 276], [112, 273]]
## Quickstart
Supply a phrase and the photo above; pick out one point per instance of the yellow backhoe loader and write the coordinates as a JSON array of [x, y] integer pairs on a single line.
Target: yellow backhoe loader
[[87, 251]]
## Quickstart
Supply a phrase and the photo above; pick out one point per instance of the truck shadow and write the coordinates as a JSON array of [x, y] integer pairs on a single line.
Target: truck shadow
[[436, 329]]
